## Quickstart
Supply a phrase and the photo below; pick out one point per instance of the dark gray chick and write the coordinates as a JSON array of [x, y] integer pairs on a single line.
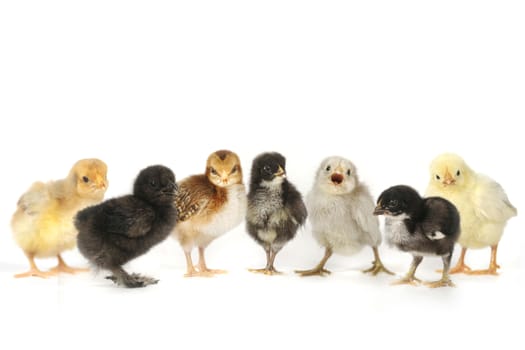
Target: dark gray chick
[[120, 229], [275, 208]]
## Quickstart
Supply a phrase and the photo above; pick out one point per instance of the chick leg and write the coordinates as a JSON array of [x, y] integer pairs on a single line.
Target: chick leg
[[493, 266], [62, 267], [190, 269], [269, 269], [445, 279], [33, 270], [122, 278], [319, 270], [409, 278], [202, 264], [377, 265], [460, 266]]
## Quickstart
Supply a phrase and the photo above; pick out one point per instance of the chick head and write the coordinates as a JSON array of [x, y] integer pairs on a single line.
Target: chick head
[[449, 171], [90, 178], [223, 168], [398, 202], [268, 169], [336, 175], [156, 185]]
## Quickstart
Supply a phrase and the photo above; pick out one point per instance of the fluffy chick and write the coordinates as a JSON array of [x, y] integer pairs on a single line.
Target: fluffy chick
[[275, 208], [340, 210], [43, 222], [120, 229], [482, 203], [209, 205], [420, 226]]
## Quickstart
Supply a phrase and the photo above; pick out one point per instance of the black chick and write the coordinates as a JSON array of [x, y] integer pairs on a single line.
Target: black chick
[[420, 226], [275, 208], [120, 229]]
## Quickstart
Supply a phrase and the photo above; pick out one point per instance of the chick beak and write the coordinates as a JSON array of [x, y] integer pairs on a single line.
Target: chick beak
[[378, 210], [337, 178], [449, 180], [280, 172], [224, 180]]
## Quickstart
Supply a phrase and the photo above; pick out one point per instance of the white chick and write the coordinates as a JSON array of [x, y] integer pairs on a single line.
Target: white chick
[[341, 214]]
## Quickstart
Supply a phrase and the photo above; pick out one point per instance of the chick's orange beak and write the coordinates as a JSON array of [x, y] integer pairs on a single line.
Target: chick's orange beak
[[449, 180]]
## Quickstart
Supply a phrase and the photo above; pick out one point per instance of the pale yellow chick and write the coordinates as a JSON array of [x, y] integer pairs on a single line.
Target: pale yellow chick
[[482, 203], [43, 222]]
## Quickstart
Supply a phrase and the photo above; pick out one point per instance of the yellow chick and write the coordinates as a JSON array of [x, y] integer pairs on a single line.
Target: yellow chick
[[43, 222], [482, 203]]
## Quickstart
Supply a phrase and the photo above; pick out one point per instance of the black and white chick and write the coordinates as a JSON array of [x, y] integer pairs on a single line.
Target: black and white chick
[[120, 229], [420, 226], [275, 207]]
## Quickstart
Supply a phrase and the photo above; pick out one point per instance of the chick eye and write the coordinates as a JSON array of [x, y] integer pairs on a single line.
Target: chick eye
[[348, 172], [234, 170], [328, 168], [438, 177], [393, 203], [267, 169], [213, 171], [85, 179], [153, 183], [458, 173]]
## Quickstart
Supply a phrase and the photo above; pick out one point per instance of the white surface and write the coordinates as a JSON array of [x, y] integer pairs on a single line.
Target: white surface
[[388, 84]]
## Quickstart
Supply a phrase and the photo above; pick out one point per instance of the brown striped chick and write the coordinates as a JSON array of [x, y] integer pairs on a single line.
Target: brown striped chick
[[209, 205], [43, 222]]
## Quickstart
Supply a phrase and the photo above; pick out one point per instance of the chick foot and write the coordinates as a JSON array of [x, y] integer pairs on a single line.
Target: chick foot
[[459, 268], [269, 271], [34, 272], [407, 280], [377, 267], [492, 270], [133, 281], [444, 282], [317, 271], [196, 273]]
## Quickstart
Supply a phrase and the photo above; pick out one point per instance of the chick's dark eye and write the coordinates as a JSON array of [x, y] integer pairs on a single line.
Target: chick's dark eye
[[213, 171], [393, 203], [85, 179], [328, 168], [458, 173], [153, 183], [234, 170], [438, 177], [348, 172], [267, 169]]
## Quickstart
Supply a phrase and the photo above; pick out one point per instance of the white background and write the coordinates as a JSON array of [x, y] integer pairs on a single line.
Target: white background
[[388, 84]]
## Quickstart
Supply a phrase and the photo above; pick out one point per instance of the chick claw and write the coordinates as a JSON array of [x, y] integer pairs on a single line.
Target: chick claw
[[441, 283], [313, 272], [407, 280], [267, 271], [376, 268], [133, 281]]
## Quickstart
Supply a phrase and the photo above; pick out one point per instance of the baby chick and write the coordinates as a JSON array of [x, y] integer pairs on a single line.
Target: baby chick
[[43, 222], [209, 205], [275, 208], [420, 226], [340, 211], [120, 229], [482, 203]]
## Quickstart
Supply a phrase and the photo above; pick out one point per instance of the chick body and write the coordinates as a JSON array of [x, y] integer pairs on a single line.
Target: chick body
[[275, 208], [482, 203], [43, 222], [120, 229], [340, 210], [209, 205], [421, 227]]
